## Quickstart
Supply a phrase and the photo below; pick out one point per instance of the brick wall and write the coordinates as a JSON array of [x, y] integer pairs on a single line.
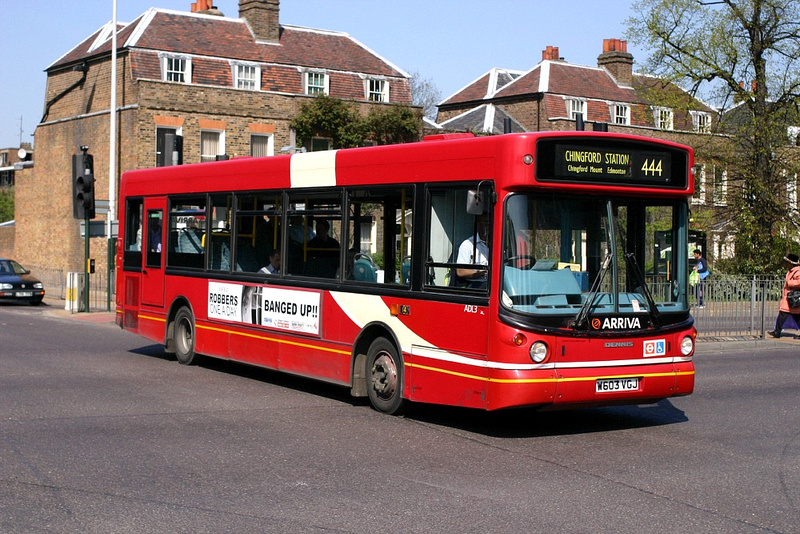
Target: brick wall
[[7, 235], [46, 233]]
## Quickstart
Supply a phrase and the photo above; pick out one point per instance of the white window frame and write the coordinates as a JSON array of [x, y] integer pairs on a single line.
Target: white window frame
[[700, 184], [246, 82], [720, 188], [316, 88], [701, 121], [620, 111], [575, 106], [168, 71], [794, 135], [791, 189], [663, 118], [220, 145], [270, 144], [376, 89]]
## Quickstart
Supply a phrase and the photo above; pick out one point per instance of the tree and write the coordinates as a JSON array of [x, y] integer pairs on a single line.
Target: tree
[[6, 204], [340, 121], [330, 117], [425, 94], [742, 56], [393, 124]]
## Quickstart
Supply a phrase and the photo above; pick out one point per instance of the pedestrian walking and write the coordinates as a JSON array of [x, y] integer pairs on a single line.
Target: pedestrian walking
[[701, 266], [788, 316]]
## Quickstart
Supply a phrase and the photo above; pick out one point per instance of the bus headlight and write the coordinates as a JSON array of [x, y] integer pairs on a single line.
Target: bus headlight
[[538, 352], [687, 345]]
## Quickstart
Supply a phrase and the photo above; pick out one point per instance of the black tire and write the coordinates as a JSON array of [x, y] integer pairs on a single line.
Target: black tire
[[183, 337], [384, 372]]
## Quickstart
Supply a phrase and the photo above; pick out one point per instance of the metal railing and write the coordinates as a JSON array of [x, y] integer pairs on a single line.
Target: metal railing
[[736, 306], [55, 285]]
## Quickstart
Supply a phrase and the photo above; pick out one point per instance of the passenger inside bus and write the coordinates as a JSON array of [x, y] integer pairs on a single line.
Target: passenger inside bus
[[323, 252], [475, 250], [274, 265]]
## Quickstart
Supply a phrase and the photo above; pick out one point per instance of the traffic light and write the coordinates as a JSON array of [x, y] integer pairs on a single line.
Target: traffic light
[[83, 185]]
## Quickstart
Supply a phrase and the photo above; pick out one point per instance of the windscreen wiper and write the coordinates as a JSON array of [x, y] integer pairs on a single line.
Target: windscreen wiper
[[633, 265], [581, 321]]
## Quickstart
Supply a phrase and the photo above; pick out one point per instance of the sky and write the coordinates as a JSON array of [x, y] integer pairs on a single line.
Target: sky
[[447, 42]]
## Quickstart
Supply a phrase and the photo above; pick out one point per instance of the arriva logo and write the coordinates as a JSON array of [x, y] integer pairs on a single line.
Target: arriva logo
[[616, 323]]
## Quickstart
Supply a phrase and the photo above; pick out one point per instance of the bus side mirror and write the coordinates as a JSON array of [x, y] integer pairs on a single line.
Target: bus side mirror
[[475, 205]]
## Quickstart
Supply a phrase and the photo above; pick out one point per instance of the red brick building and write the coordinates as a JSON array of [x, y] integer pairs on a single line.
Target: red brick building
[[226, 86], [554, 93]]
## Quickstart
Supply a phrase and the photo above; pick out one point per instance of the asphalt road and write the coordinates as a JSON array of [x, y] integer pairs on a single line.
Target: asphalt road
[[101, 432]]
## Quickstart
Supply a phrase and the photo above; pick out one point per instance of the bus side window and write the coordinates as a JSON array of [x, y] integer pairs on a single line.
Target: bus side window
[[379, 236], [187, 216]]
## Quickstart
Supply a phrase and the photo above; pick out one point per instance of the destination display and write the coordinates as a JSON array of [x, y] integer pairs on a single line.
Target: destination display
[[602, 163], [617, 163]]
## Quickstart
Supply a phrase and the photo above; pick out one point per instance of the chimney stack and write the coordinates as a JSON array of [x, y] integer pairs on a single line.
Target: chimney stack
[[262, 17], [206, 7], [551, 53], [617, 61]]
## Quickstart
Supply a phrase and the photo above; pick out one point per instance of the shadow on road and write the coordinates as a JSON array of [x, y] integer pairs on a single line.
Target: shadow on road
[[530, 422], [512, 423]]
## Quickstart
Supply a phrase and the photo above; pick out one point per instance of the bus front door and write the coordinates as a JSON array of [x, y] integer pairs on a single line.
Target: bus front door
[[155, 248]]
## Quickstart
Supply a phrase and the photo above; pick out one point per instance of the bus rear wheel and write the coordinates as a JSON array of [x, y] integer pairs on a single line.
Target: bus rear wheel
[[384, 372], [183, 336]]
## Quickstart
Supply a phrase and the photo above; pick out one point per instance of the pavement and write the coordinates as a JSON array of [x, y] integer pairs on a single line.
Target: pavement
[[57, 307]]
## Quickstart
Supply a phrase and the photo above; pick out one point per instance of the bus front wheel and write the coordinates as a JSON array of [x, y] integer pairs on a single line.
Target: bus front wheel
[[183, 336], [384, 372]]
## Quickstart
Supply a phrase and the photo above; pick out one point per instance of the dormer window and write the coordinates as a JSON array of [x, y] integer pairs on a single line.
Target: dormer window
[[246, 76], [377, 90], [621, 114], [176, 68], [701, 121], [576, 106], [662, 118], [317, 83]]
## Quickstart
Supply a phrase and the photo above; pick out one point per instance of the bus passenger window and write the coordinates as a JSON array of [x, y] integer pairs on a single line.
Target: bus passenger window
[[313, 234], [187, 220], [379, 236], [258, 229]]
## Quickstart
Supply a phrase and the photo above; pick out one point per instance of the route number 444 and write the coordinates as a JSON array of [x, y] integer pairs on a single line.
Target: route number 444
[[652, 167]]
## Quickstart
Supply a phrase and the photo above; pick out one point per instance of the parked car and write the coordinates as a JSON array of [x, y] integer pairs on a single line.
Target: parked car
[[17, 284]]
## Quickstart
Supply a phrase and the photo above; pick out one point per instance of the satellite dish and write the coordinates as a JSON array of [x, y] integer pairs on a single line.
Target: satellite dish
[[22, 153]]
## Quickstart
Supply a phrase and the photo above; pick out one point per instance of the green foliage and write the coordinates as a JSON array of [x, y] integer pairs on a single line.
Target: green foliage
[[739, 55], [340, 121], [330, 117], [394, 124], [6, 204]]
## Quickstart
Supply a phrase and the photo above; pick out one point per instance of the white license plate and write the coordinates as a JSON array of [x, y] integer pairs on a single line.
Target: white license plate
[[603, 385], [24, 293]]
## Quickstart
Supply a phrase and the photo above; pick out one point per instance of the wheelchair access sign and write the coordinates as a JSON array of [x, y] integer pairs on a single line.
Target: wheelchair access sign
[[655, 347]]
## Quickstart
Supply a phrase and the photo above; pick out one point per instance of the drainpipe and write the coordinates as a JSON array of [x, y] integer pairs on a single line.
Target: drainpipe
[[83, 68]]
